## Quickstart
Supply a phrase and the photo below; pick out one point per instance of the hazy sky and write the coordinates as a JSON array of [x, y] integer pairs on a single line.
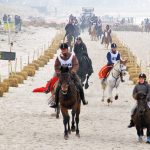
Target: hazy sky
[[138, 7]]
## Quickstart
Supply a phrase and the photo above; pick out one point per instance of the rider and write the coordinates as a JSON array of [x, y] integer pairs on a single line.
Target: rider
[[80, 50], [112, 57], [68, 59], [108, 30], [142, 86], [69, 28]]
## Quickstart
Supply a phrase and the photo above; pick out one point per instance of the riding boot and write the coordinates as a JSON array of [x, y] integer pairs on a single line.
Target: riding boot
[[82, 95], [121, 77], [56, 97]]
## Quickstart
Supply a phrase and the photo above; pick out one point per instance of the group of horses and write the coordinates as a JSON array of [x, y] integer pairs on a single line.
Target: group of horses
[[69, 97], [98, 34]]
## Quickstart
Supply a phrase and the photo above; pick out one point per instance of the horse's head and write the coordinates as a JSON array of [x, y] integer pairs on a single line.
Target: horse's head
[[64, 80], [141, 102], [120, 67]]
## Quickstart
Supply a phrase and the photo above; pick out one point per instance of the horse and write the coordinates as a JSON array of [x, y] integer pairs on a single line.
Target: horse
[[113, 80], [93, 32], [84, 74], [141, 118], [106, 38], [69, 98]]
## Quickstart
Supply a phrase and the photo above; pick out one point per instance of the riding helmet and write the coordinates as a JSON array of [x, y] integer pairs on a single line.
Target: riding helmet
[[142, 75], [113, 45], [63, 46]]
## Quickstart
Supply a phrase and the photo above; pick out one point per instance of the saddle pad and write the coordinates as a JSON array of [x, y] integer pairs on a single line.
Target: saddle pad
[[148, 103], [103, 73]]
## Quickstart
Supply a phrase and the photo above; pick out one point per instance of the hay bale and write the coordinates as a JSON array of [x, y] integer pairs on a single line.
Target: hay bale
[[29, 67], [1, 92], [30, 71], [13, 82], [41, 63], [5, 86], [135, 80], [49, 54], [45, 57], [36, 66], [18, 77], [24, 74], [44, 60]]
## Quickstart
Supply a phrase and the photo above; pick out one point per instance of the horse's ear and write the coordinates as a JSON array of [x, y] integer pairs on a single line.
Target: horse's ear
[[64, 69], [123, 61]]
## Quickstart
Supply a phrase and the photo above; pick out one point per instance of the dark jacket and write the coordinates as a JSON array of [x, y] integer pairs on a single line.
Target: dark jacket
[[70, 29], [80, 50], [145, 88]]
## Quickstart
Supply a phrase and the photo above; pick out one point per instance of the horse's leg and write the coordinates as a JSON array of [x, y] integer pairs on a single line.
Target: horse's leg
[[57, 111], [139, 133], [69, 131], [77, 120], [87, 84], [65, 121], [73, 122], [109, 100], [148, 135], [116, 96], [103, 96]]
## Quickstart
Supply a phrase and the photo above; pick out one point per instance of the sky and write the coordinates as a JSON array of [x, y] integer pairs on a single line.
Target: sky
[[102, 7]]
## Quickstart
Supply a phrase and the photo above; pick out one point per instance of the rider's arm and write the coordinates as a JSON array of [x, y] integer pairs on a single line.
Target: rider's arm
[[57, 66], [118, 57], [109, 59], [148, 93], [75, 65], [84, 50]]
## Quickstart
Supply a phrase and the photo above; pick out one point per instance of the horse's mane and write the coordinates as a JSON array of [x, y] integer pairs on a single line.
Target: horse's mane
[[140, 95]]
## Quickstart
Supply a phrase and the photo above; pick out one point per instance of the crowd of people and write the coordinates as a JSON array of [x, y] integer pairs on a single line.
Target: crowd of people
[[12, 23]]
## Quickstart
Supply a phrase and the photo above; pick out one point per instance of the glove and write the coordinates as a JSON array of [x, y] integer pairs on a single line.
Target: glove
[[47, 91]]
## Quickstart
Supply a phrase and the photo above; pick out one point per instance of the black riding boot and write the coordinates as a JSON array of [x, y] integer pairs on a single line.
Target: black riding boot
[[82, 95], [56, 97], [121, 77]]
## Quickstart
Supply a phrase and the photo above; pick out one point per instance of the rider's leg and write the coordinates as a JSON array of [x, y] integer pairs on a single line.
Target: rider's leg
[[133, 111], [56, 96], [121, 77]]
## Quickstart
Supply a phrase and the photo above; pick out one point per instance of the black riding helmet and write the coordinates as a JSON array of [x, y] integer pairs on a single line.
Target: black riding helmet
[[113, 45], [142, 75], [63, 46]]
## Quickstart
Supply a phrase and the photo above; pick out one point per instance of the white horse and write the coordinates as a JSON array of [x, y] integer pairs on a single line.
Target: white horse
[[113, 80]]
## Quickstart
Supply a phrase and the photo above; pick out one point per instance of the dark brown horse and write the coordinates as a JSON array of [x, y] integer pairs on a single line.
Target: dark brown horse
[[142, 117], [69, 98]]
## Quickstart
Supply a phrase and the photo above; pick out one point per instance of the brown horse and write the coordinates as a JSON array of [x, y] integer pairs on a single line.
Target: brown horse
[[106, 40], [92, 32], [69, 98], [142, 117]]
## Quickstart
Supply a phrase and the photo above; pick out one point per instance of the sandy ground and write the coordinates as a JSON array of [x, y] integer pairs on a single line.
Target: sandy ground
[[28, 43], [26, 121]]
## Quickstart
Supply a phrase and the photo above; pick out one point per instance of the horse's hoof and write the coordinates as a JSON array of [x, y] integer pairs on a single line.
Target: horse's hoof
[[116, 97], [140, 139], [69, 131], [73, 129], [148, 140], [57, 116], [78, 135], [66, 137]]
